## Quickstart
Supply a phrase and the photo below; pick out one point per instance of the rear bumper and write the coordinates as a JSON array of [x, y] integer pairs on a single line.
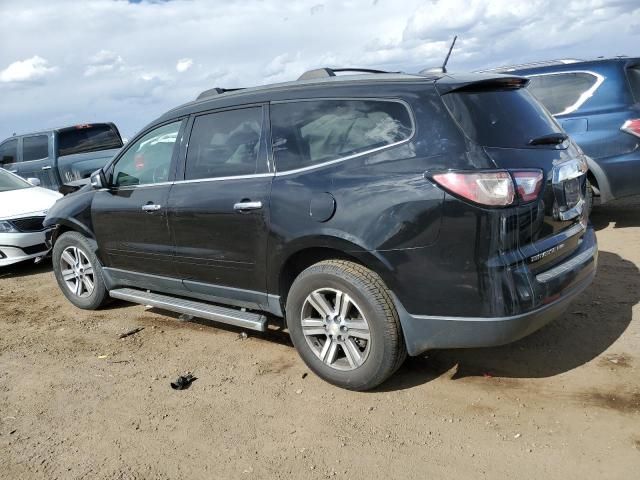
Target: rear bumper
[[561, 285]]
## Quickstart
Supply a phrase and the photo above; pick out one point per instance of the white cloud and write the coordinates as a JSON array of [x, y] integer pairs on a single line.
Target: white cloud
[[31, 69], [316, 9], [184, 64], [102, 62], [125, 62], [278, 65]]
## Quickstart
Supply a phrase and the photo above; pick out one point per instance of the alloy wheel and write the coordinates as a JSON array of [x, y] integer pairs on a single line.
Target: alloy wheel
[[335, 329], [77, 272]]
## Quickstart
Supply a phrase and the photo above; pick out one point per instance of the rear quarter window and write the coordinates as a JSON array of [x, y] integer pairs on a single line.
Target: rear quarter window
[[307, 133], [563, 93], [507, 118]]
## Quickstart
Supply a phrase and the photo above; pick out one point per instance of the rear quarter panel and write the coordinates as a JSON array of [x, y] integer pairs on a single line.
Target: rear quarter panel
[[381, 201]]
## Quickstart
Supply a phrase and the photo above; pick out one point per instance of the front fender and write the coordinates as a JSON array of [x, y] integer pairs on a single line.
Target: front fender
[[72, 212]]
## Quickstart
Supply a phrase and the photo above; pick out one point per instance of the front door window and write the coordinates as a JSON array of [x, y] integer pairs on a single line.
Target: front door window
[[148, 160]]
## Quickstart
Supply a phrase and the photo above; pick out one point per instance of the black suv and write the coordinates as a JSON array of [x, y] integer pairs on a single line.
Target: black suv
[[381, 214]]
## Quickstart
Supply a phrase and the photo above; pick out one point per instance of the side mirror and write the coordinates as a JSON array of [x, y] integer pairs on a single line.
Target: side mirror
[[98, 179], [34, 181]]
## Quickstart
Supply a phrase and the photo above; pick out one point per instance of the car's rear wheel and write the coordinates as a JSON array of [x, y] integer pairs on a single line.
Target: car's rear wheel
[[344, 324], [78, 271]]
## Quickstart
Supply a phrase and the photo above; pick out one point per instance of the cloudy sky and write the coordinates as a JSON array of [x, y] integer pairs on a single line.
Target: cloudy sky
[[67, 61]]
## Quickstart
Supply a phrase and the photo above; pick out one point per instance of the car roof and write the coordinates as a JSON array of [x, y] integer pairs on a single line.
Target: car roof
[[563, 65], [265, 92], [317, 88]]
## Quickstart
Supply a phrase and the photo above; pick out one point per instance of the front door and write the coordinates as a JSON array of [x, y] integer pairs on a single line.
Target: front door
[[130, 216], [218, 213]]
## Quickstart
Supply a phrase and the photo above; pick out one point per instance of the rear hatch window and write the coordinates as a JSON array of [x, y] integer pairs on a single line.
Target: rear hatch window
[[506, 118], [87, 138]]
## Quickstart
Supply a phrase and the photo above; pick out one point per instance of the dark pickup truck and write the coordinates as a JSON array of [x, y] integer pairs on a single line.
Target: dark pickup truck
[[62, 155]]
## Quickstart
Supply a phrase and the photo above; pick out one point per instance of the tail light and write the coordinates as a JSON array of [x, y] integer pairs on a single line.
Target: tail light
[[493, 189], [632, 127], [528, 184]]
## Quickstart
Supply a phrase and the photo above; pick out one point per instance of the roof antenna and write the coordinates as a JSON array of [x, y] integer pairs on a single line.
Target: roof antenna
[[444, 65]]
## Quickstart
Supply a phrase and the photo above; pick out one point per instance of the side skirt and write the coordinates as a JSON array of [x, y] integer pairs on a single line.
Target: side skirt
[[117, 278]]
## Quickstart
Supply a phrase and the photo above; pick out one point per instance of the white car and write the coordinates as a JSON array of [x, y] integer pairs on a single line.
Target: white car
[[23, 206]]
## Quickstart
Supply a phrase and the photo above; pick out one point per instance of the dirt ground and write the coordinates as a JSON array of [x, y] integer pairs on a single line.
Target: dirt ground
[[77, 402]]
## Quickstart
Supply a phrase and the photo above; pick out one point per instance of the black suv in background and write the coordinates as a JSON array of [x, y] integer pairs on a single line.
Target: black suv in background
[[380, 214]]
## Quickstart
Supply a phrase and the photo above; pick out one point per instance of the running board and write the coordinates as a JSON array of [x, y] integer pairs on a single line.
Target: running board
[[231, 316]]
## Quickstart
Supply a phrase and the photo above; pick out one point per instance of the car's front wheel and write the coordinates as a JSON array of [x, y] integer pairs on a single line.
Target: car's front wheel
[[344, 324], [78, 271]]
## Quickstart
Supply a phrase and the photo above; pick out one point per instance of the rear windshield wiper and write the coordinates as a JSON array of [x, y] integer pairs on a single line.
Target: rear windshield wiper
[[555, 138]]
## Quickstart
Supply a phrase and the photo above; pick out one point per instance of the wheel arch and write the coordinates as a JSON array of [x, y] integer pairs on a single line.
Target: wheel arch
[[599, 179], [305, 253], [63, 225]]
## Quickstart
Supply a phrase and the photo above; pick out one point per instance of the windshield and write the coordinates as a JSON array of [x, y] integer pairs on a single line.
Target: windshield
[[10, 182], [501, 118], [88, 138]]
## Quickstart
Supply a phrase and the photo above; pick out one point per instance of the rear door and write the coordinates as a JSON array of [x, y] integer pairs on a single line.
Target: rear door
[[37, 160], [516, 132], [218, 213]]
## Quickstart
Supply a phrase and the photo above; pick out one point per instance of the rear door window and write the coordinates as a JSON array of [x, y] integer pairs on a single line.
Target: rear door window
[[224, 144], [507, 118], [563, 93], [87, 138], [35, 147], [9, 152], [307, 133]]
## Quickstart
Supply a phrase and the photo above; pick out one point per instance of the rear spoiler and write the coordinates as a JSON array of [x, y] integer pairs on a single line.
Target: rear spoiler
[[479, 83]]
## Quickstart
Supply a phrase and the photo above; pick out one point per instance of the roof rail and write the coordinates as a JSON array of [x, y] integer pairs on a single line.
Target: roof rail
[[544, 63], [215, 91], [331, 72]]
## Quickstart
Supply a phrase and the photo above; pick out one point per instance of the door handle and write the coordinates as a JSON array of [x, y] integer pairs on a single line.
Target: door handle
[[244, 206], [47, 167], [150, 207]]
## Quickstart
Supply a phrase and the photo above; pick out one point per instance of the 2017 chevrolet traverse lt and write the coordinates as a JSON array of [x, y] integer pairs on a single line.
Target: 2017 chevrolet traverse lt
[[380, 214]]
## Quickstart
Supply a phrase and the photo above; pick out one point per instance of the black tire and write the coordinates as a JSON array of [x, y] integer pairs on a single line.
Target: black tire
[[385, 349], [99, 296]]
